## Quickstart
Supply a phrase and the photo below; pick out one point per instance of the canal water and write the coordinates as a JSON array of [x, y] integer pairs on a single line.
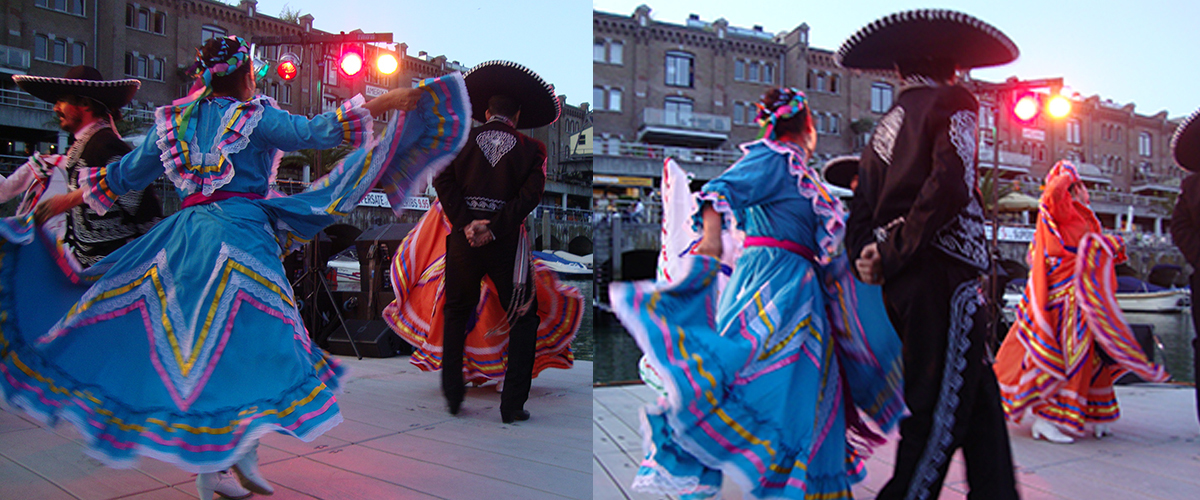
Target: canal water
[[616, 354], [584, 345]]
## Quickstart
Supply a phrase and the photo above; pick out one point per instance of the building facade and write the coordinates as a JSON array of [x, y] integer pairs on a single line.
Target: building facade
[[687, 91]]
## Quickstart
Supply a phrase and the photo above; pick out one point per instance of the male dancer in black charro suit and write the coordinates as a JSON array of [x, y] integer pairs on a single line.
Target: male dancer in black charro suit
[[486, 192], [86, 106]]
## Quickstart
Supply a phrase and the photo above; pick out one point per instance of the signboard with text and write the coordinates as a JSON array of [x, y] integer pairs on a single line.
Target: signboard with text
[[375, 199]]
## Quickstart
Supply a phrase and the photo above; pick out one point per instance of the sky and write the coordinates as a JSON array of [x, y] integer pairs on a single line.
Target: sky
[[1129, 51], [550, 37]]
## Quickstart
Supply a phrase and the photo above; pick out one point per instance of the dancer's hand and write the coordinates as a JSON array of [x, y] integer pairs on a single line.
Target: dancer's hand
[[709, 246], [55, 205], [870, 265], [404, 99], [478, 233]]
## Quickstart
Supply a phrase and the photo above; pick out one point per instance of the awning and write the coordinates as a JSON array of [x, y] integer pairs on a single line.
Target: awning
[[615, 180]]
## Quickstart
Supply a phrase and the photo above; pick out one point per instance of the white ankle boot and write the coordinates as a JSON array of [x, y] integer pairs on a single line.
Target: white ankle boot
[[247, 472], [1101, 430], [221, 483], [1043, 429]]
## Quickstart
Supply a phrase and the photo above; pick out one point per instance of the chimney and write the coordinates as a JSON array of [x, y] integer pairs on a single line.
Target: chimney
[[249, 6], [403, 50]]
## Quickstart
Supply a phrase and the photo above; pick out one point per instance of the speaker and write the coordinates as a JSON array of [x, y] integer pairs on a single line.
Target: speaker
[[374, 339], [1144, 334]]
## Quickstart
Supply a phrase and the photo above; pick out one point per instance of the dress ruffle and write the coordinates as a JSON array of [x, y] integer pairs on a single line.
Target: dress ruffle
[[416, 314]]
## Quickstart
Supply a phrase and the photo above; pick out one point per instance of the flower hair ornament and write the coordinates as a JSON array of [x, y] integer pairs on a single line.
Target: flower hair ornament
[[791, 102]]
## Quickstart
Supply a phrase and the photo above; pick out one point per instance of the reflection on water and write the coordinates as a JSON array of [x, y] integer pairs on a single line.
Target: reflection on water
[[616, 354], [1175, 333], [583, 346]]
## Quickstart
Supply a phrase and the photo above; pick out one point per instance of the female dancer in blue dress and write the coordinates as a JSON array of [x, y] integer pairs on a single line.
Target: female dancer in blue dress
[[185, 345], [763, 384]]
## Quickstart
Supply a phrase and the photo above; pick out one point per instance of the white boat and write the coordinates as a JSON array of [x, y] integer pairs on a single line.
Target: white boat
[[1162, 301], [575, 268]]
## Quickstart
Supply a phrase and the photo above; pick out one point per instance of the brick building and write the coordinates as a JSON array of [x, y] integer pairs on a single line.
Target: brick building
[[687, 91]]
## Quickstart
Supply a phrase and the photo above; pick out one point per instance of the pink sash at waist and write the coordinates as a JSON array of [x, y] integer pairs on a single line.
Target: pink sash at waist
[[201, 199], [791, 246]]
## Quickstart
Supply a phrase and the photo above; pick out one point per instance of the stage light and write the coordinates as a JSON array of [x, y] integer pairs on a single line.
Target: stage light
[[351, 63], [1026, 108], [289, 66], [1058, 107], [387, 64]]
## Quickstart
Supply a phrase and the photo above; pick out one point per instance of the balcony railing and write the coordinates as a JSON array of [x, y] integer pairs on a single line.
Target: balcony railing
[[702, 122], [21, 99], [655, 152]]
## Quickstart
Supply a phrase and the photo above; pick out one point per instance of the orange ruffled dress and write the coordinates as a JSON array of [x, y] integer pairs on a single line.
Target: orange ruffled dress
[[1048, 362], [416, 315]]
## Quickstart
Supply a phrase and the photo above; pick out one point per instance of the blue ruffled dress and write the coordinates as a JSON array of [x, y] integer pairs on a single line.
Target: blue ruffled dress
[[758, 381], [186, 344]]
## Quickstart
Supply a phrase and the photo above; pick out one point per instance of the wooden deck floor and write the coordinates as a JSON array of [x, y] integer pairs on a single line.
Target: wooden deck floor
[[1154, 454]]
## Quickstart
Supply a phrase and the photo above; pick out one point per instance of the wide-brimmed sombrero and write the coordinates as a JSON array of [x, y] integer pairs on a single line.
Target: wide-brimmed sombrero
[[84, 81], [927, 34], [840, 171], [1185, 144], [539, 105]]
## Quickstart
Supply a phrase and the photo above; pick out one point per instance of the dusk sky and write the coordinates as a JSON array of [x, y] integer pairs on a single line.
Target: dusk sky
[[551, 37], [1141, 51]]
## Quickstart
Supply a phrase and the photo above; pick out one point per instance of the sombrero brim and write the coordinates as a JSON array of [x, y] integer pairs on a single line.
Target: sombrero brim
[[1185, 144], [539, 105], [112, 93], [927, 34], [840, 171]]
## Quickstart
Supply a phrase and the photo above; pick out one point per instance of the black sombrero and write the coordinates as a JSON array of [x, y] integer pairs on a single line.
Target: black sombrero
[[936, 34], [83, 81], [539, 105], [1185, 144], [840, 171]]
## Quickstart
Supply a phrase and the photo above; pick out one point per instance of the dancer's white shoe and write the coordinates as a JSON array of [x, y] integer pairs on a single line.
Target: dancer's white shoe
[[1043, 429], [1101, 430], [221, 483], [248, 474]]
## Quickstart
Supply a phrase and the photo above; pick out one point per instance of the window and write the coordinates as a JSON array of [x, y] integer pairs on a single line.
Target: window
[[286, 96], [753, 76], [130, 15], [598, 97], [616, 53], [739, 70], [679, 69], [40, 42], [274, 91], [809, 81], [143, 64], [160, 23], [834, 125], [57, 51], [331, 72], [143, 20], [677, 111], [833, 84], [739, 113], [881, 97], [768, 74], [1144, 145], [68, 6], [77, 53], [598, 51], [209, 31], [156, 69], [820, 82], [614, 100], [1073, 132]]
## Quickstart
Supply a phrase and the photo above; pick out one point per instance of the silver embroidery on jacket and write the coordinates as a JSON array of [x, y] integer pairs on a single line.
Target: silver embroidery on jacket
[[963, 238], [884, 137], [495, 144]]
